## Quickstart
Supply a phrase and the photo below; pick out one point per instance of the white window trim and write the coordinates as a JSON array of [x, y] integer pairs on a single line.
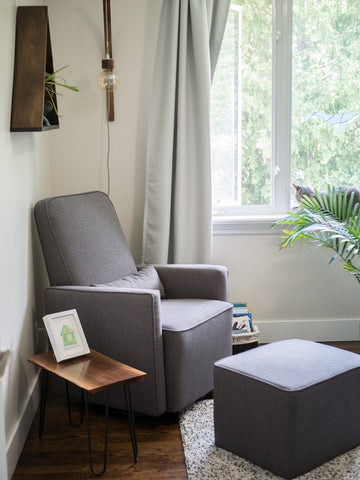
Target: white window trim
[[281, 104], [246, 225], [258, 219]]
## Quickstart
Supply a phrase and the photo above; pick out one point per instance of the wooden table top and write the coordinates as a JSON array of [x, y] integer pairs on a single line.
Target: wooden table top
[[93, 372]]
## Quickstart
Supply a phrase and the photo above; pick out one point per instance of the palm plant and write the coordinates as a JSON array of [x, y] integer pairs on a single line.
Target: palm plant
[[330, 220]]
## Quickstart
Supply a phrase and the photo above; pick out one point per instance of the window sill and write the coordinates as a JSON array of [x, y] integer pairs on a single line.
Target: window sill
[[246, 225]]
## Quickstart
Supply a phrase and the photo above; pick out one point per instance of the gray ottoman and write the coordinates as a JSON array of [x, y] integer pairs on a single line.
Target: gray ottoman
[[288, 406]]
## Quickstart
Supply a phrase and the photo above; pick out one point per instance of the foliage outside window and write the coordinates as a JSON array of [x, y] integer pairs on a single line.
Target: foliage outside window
[[300, 57]]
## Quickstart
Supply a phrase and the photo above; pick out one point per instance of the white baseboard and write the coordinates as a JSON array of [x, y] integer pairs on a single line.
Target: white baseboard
[[21, 430], [317, 330]]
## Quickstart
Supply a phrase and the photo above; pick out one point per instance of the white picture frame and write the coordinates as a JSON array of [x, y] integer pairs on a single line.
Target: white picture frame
[[66, 335]]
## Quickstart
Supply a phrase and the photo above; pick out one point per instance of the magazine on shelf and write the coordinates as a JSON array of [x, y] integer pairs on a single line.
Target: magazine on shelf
[[242, 324]]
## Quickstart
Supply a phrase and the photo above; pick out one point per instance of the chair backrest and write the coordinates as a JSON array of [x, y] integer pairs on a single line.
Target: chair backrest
[[82, 239]]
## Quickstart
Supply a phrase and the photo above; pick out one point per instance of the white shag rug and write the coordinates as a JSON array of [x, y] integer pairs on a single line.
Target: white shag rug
[[205, 461]]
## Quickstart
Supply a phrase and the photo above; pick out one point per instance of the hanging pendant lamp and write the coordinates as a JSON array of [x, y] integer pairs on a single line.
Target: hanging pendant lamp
[[108, 80]]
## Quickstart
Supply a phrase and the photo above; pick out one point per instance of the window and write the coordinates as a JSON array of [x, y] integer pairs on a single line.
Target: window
[[285, 103]]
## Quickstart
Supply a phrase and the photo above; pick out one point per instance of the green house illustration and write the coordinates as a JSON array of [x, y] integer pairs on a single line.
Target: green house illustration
[[68, 336]]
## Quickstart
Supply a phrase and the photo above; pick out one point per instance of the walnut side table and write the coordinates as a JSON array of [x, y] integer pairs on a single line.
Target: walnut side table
[[92, 373]]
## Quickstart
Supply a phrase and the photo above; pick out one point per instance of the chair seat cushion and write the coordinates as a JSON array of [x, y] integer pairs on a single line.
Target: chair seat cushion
[[184, 314]]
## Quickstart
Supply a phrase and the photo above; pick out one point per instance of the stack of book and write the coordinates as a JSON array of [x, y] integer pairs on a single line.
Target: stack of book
[[243, 329]]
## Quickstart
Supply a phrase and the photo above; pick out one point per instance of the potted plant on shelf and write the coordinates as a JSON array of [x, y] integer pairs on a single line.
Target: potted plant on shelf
[[330, 219], [52, 80]]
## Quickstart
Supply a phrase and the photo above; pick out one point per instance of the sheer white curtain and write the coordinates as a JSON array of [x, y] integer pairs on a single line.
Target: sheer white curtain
[[177, 218]]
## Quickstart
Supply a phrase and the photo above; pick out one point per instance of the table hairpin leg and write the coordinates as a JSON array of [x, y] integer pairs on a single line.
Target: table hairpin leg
[[106, 433], [44, 386], [69, 408], [127, 395]]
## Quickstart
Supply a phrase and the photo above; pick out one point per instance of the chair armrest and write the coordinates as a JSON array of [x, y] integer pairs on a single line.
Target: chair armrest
[[112, 319], [124, 324], [194, 281]]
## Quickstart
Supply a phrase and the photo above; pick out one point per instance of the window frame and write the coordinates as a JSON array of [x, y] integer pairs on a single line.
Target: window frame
[[257, 219]]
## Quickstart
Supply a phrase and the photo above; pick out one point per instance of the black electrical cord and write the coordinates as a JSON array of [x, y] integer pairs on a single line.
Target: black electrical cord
[[108, 143]]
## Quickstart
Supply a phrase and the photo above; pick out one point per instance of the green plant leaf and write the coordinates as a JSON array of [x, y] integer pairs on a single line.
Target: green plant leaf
[[333, 258], [327, 220], [52, 80]]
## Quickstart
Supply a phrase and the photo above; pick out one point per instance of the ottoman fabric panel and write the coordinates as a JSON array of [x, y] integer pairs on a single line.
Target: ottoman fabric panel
[[251, 421], [275, 423]]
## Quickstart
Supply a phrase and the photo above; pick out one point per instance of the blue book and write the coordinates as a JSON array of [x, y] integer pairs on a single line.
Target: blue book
[[239, 308]]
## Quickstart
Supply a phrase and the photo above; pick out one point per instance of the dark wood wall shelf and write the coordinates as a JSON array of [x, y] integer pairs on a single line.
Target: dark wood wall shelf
[[33, 57]]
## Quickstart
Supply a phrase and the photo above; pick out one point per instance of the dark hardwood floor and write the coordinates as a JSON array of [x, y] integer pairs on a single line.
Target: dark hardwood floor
[[62, 454]]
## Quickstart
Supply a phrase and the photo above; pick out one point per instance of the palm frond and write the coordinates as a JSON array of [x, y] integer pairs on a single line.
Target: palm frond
[[329, 220]]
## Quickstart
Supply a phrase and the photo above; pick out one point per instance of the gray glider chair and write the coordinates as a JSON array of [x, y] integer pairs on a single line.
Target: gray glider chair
[[171, 321]]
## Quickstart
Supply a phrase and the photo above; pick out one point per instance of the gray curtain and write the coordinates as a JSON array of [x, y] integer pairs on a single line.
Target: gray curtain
[[177, 217]]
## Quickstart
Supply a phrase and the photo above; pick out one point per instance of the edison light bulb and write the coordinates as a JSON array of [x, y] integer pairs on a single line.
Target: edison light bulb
[[108, 79]]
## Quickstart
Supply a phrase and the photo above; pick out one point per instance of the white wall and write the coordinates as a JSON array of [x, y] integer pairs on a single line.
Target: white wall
[[24, 162], [80, 147], [293, 292]]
